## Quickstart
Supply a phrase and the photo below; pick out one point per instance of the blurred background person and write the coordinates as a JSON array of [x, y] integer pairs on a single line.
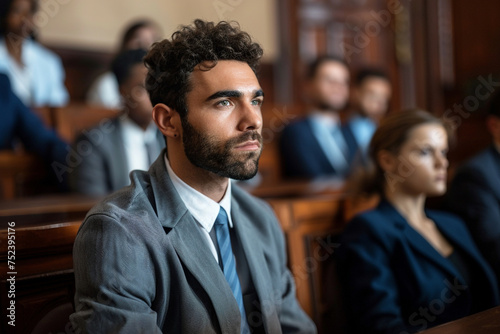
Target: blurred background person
[[138, 35], [317, 146], [475, 192], [404, 268], [128, 142], [371, 95], [19, 125], [36, 74]]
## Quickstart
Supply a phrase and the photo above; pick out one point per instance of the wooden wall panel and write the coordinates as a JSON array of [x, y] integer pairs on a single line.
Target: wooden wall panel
[[360, 31]]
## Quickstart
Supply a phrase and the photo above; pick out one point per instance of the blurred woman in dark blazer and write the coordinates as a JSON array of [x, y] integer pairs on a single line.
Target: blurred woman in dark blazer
[[404, 268]]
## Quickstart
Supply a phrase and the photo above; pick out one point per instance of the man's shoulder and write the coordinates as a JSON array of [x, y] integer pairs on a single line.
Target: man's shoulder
[[478, 160], [130, 201], [298, 124], [476, 167], [299, 130]]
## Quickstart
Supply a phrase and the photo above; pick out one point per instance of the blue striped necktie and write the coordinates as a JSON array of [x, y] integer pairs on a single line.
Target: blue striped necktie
[[229, 265]]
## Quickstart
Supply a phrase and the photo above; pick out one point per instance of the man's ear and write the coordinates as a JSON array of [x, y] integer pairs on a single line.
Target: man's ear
[[387, 161], [168, 120]]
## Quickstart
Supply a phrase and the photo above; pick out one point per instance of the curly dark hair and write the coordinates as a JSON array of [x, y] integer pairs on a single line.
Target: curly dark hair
[[170, 62]]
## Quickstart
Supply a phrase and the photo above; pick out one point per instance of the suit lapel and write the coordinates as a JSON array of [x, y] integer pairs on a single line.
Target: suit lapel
[[258, 271], [191, 248], [315, 148], [418, 242], [421, 245], [460, 239]]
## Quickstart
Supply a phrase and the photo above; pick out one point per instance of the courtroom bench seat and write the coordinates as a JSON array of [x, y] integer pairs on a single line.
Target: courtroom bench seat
[[43, 271]]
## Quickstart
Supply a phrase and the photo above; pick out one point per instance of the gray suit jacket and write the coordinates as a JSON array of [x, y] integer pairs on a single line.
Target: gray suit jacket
[[101, 166], [142, 265]]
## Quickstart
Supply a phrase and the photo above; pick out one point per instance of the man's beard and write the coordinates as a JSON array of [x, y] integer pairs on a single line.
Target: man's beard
[[206, 152]]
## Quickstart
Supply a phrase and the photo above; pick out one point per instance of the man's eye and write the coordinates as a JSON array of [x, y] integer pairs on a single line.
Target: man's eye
[[256, 102], [224, 103]]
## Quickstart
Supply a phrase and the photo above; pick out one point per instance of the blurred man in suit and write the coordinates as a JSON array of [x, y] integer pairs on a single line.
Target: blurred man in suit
[[372, 93], [318, 145], [182, 249], [475, 192], [116, 147]]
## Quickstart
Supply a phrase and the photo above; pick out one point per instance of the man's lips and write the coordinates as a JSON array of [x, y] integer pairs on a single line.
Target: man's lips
[[251, 145]]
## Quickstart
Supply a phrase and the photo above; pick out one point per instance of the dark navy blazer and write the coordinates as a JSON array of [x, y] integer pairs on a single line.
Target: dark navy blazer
[[474, 195], [18, 122], [394, 281], [302, 155]]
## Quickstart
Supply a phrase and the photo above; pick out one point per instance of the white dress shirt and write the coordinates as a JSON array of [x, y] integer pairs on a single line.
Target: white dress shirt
[[204, 209], [134, 141], [335, 148], [363, 129], [40, 80]]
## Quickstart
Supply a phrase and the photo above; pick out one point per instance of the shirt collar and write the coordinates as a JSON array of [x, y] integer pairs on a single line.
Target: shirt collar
[[327, 119], [204, 209]]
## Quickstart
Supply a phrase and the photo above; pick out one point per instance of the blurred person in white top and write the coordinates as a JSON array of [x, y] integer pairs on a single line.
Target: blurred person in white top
[[104, 91], [36, 74]]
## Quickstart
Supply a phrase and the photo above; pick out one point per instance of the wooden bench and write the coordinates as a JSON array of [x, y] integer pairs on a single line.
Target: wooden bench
[[74, 118], [485, 322], [45, 230], [311, 226], [48, 209], [17, 169], [40, 275]]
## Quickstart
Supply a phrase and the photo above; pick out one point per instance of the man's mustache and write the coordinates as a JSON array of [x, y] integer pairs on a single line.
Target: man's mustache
[[254, 135]]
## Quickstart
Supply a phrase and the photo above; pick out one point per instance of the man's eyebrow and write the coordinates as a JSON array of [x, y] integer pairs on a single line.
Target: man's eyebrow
[[224, 93], [258, 93], [232, 93]]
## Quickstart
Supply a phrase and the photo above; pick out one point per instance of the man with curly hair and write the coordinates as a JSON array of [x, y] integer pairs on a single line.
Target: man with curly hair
[[182, 249]]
